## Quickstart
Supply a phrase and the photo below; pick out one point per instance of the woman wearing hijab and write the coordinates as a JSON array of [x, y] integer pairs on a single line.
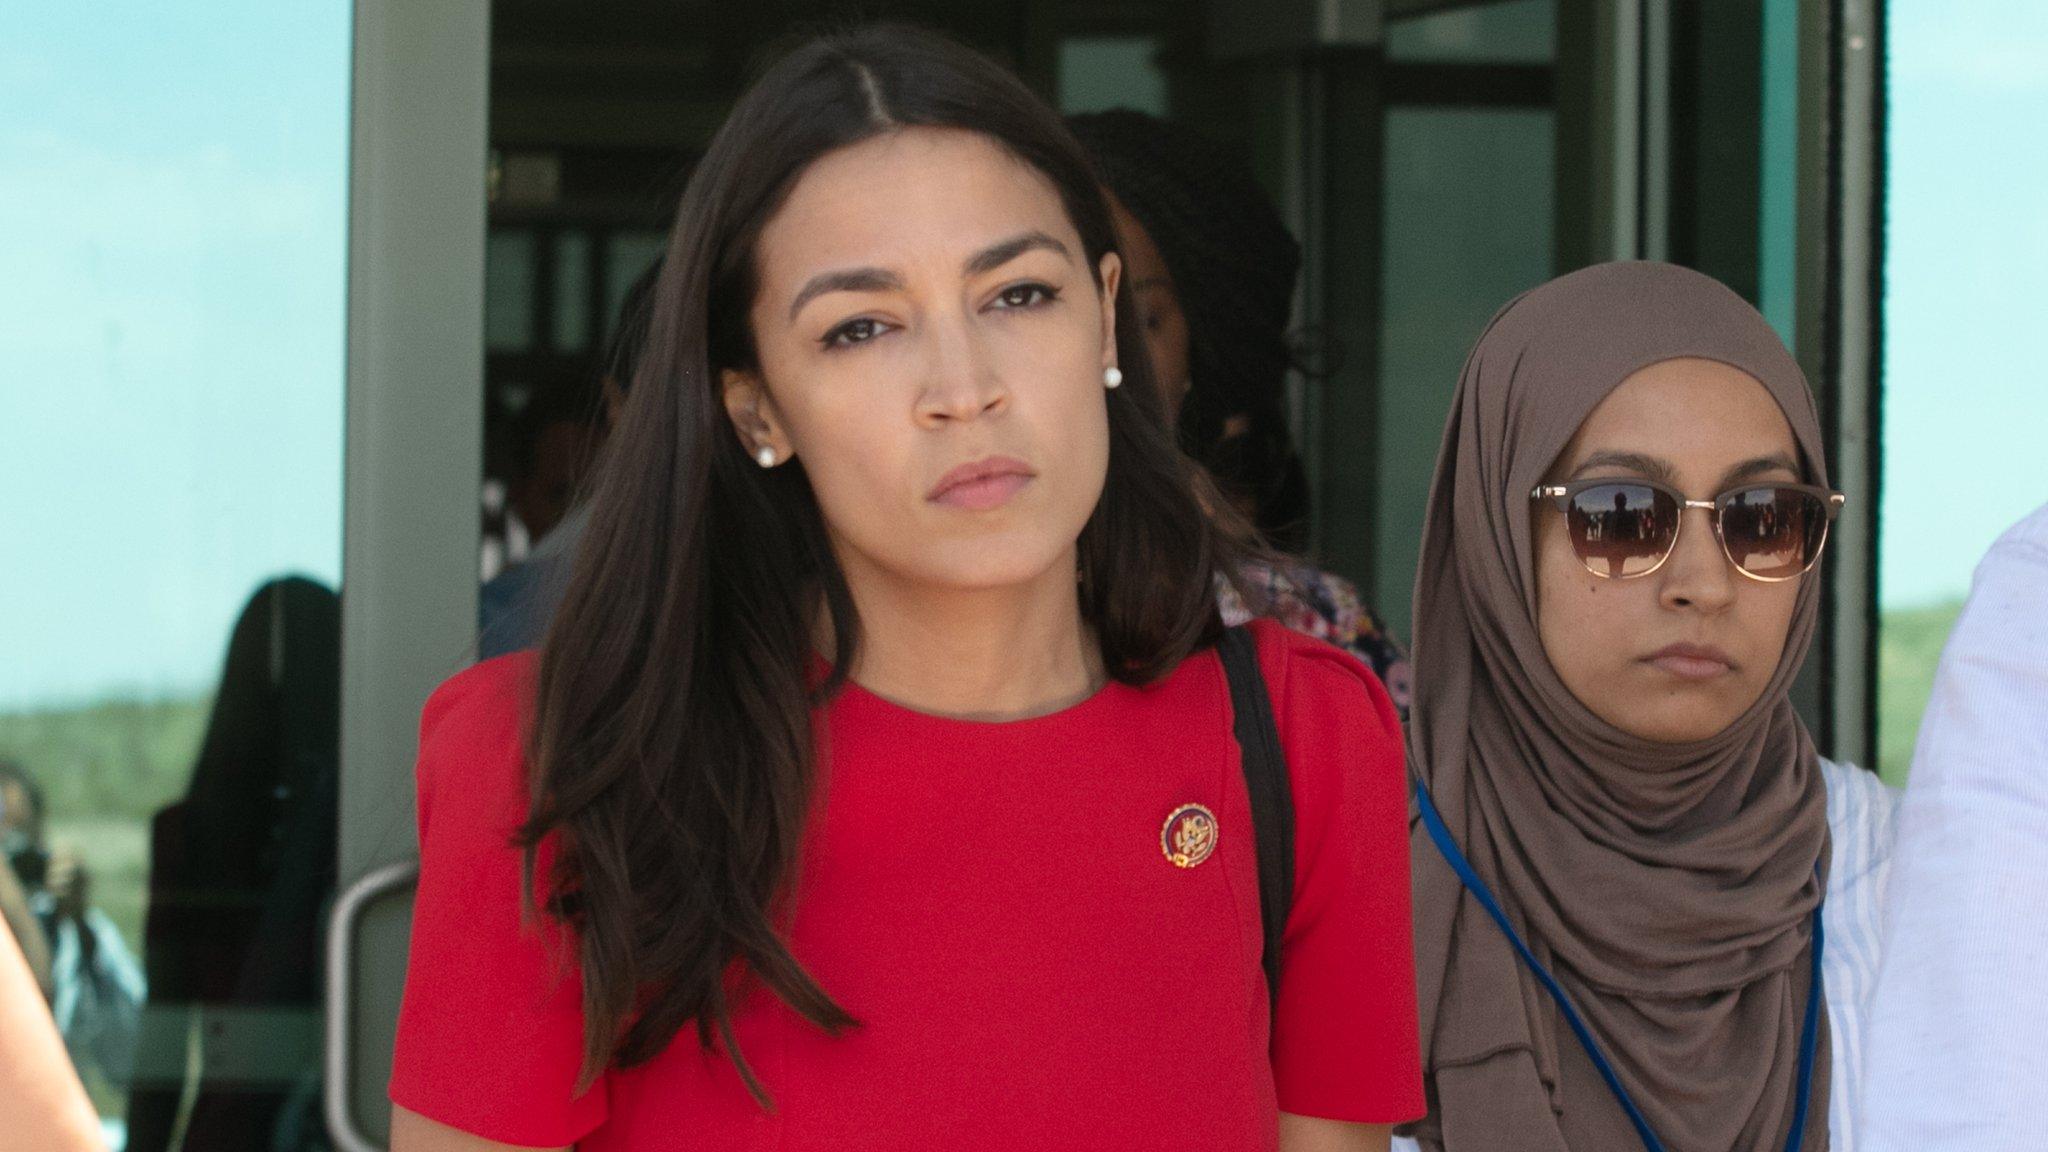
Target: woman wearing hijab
[[1212, 270], [1645, 907]]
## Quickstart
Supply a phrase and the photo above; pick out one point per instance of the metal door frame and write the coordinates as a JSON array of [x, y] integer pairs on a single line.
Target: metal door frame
[[418, 132]]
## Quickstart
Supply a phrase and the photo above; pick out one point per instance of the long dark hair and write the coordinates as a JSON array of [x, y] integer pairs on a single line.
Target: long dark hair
[[672, 743]]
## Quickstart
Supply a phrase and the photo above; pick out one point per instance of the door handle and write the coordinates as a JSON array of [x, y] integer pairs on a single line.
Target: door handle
[[341, 946]]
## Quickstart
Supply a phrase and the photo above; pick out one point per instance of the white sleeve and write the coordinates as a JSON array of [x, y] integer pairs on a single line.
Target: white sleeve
[[1956, 1057]]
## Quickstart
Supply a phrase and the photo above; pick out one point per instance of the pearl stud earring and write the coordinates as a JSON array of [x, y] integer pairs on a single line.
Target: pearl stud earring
[[1112, 376], [765, 456]]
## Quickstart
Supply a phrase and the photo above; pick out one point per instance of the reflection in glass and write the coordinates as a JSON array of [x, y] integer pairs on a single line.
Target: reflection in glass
[[172, 325], [241, 869], [75, 950]]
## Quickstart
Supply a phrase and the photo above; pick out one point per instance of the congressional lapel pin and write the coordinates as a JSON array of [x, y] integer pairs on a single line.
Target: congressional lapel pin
[[1189, 835]]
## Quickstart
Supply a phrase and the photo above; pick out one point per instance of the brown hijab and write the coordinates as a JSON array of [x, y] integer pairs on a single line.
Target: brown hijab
[[1668, 887]]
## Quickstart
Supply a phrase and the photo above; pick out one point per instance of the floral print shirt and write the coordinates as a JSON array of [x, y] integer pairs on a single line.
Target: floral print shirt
[[1327, 607]]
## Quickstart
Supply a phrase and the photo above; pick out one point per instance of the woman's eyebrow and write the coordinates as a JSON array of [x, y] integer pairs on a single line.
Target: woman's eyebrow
[[1635, 462], [1003, 251], [1775, 462], [844, 280], [882, 280]]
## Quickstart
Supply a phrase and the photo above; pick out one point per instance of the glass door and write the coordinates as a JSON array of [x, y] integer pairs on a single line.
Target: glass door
[[242, 342], [171, 435], [1467, 192]]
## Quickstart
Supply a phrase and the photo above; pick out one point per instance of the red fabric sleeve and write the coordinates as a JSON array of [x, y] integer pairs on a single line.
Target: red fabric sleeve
[[1345, 1041], [490, 1034]]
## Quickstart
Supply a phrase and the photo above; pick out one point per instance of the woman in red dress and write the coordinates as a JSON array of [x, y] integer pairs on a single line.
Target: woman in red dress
[[875, 786]]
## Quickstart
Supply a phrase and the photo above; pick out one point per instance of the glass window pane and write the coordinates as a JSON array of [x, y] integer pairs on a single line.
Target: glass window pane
[[1098, 73], [1516, 32], [1468, 226], [1966, 266], [627, 255], [508, 290], [572, 292], [172, 323]]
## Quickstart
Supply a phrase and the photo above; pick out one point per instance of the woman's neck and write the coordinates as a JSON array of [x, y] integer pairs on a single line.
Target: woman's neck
[[1006, 653]]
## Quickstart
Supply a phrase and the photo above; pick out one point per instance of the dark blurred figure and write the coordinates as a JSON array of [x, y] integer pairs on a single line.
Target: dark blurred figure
[[1212, 268], [514, 606], [241, 874], [556, 437], [95, 987]]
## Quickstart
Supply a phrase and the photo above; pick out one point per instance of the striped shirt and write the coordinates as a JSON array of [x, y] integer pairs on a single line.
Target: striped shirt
[[1862, 812]]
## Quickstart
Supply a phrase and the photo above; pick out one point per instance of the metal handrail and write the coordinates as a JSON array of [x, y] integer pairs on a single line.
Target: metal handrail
[[341, 933]]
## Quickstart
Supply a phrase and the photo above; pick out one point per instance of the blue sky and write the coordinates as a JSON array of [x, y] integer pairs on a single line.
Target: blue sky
[[171, 318], [1966, 400], [171, 322]]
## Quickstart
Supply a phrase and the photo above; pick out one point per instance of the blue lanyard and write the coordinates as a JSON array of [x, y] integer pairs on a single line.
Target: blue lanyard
[[1809, 1030]]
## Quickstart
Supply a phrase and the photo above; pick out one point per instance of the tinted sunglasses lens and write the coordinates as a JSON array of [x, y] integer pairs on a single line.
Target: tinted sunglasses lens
[[1773, 533], [1621, 530]]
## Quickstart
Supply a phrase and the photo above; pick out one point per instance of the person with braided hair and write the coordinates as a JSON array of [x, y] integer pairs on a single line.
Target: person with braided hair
[[1213, 269]]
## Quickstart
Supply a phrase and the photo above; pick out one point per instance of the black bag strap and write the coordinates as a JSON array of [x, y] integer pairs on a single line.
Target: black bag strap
[[1272, 795]]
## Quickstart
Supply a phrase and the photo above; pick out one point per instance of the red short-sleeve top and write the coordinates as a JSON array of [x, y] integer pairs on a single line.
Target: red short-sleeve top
[[995, 904]]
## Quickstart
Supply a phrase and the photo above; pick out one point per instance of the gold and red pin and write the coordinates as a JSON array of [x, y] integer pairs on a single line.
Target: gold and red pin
[[1189, 835]]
